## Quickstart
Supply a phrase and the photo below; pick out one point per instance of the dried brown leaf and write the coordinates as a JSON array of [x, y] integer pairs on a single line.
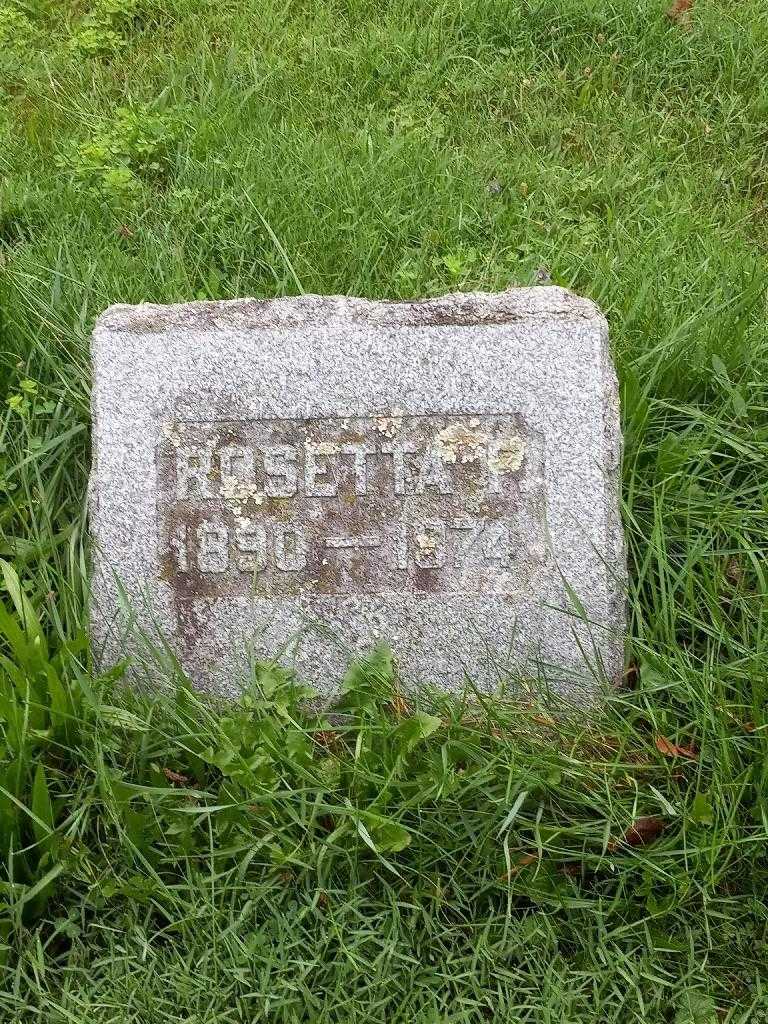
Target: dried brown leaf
[[544, 720], [670, 749], [734, 570], [522, 862], [641, 832], [400, 706], [631, 674], [680, 13], [327, 738]]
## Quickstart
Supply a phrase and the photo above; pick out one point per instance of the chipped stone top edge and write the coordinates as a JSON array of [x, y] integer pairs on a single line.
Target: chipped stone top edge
[[455, 309]]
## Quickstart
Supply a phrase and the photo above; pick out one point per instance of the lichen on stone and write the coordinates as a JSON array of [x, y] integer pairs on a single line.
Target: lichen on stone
[[323, 447], [507, 455], [459, 443], [426, 541], [387, 425], [240, 492], [173, 431]]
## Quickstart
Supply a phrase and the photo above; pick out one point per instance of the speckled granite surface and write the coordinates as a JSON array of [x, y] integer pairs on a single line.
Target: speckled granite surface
[[309, 476]]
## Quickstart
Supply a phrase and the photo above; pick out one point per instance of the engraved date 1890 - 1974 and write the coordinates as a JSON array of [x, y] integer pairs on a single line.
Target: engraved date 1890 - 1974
[[350, 505]]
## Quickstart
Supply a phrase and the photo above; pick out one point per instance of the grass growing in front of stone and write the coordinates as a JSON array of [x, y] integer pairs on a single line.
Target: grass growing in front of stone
[[451, 861]]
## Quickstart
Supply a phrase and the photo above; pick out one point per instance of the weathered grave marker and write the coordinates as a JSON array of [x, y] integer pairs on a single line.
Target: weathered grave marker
[[439, 474]]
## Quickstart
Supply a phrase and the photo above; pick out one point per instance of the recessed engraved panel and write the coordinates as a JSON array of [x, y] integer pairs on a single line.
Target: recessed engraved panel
[[359, 505]]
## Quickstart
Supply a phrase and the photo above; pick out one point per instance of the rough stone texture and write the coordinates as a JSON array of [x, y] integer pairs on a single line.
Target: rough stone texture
[[312, 475]]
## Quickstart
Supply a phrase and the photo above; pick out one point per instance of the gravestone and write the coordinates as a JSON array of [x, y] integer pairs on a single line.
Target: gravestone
[[307, 477]]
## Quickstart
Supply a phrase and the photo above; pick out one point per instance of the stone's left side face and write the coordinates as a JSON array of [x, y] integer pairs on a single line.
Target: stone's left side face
[[359, 472]]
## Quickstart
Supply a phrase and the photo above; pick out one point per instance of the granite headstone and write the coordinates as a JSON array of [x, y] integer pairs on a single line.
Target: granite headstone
[[306, 477]]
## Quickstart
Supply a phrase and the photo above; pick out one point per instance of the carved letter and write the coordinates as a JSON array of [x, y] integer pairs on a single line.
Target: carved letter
[[466, 541], [281, 471], [318, 465], [359, 451], [251, 540], [433, 473], [177, 542], [290, 548], [212, 547], [398, 450], [496, 542], [236, 461], [193, 472], [401, 546], [505, 456], [429, 545]]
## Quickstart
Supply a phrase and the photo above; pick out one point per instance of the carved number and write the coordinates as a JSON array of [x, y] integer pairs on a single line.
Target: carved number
[[253, 547], [252, 550]]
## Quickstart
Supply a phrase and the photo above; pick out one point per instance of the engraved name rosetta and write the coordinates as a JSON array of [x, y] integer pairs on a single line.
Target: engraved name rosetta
[[351, 505]]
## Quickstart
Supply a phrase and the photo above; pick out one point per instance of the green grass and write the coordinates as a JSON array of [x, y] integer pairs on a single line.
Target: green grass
[[464, 862]]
